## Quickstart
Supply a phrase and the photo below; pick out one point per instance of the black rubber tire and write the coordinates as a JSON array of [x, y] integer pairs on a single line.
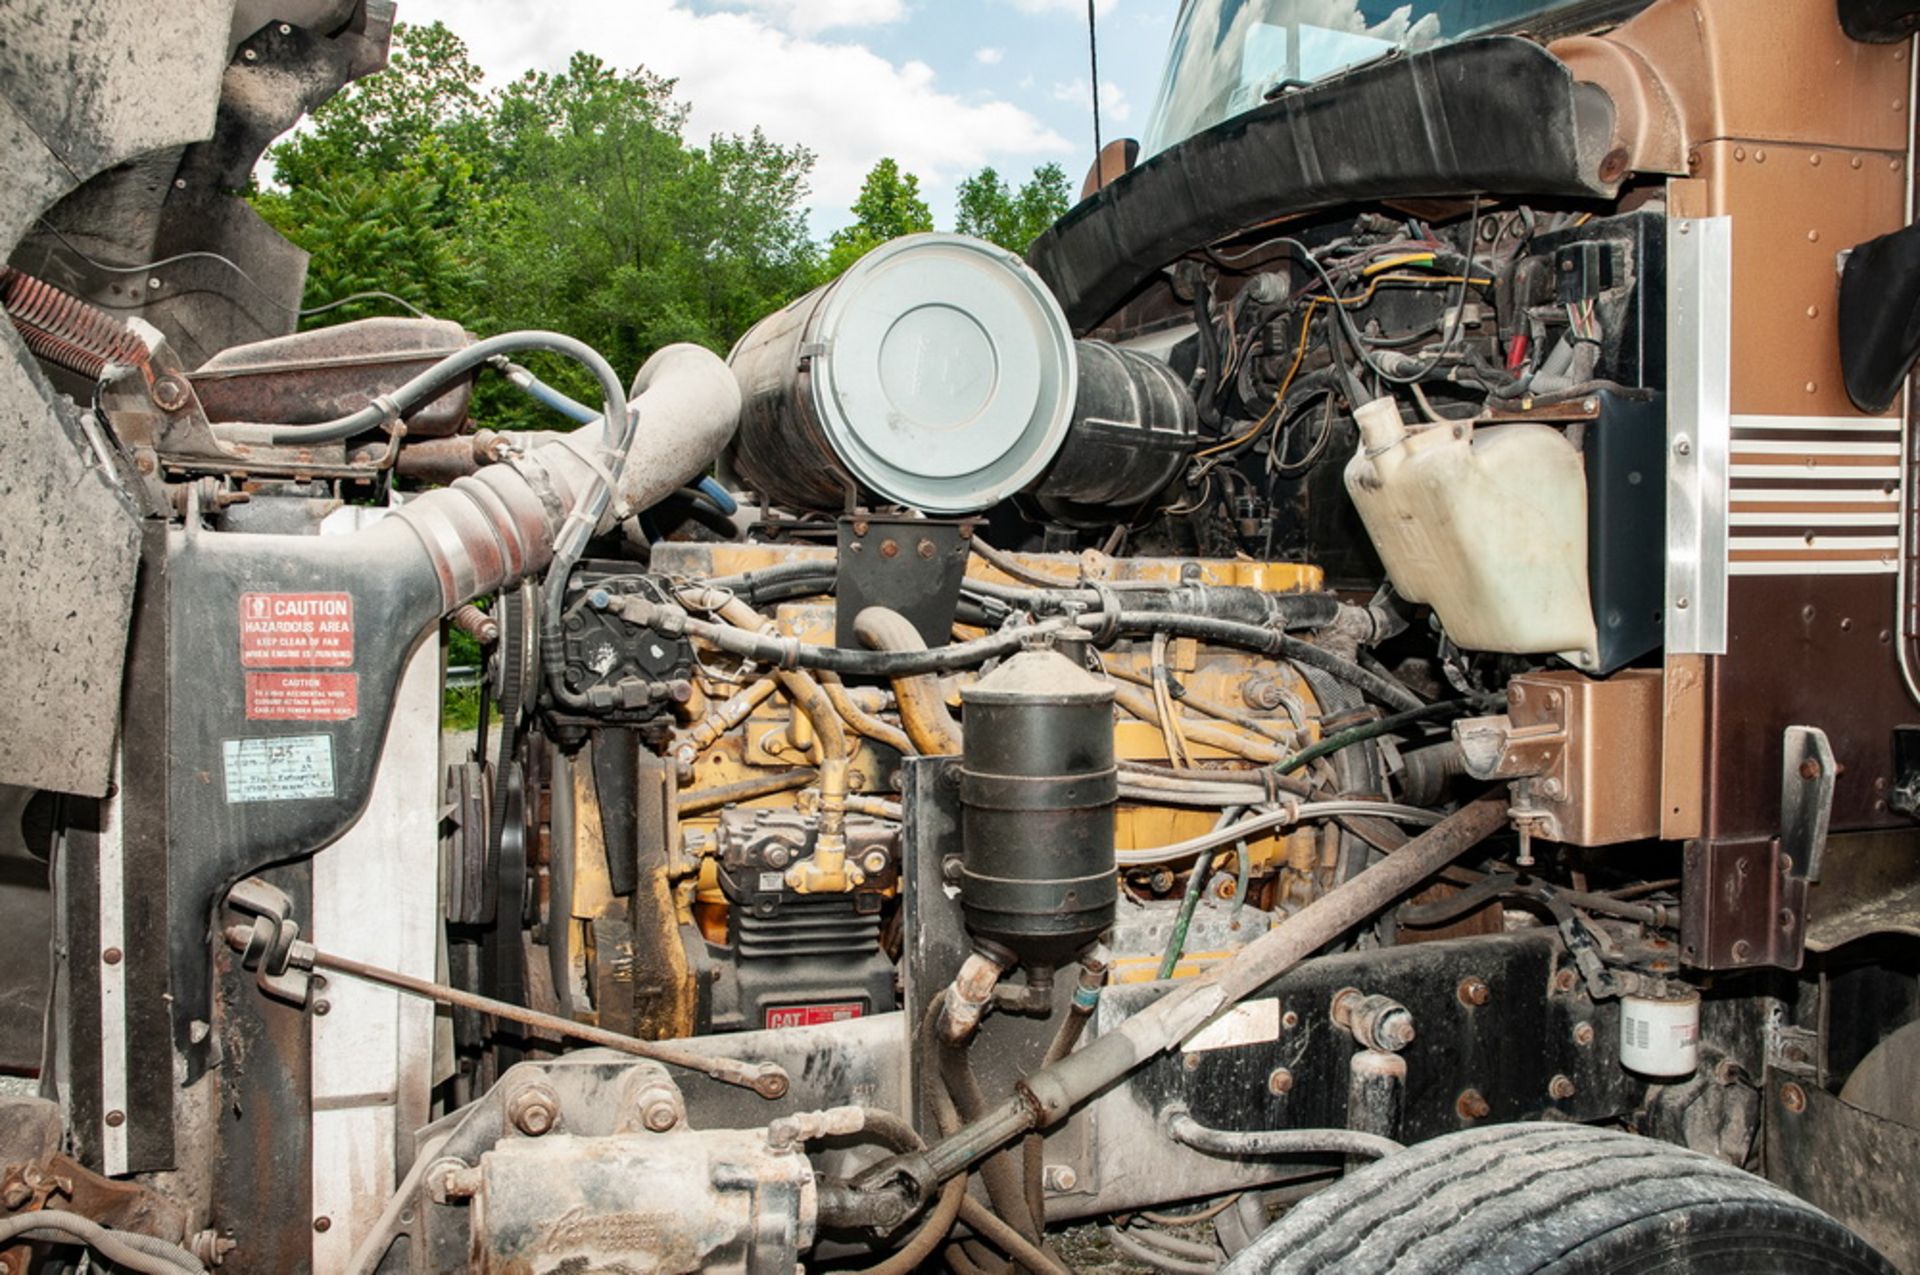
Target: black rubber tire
[[1555, 1198]]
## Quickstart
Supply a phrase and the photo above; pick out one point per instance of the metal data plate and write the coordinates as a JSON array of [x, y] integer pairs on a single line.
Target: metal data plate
[[1699, 430]]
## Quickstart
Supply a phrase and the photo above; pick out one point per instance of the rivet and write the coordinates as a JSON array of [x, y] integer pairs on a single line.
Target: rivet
[[1813, 236], [323, 1224], [1759, 155], [1814, 159], [1739, 154], [1813, 387], [115, 1119], [1813, 312], [1856, 161], [322, 1008], [250, 55], [285, 29], [1280, 1081], [111, 956]]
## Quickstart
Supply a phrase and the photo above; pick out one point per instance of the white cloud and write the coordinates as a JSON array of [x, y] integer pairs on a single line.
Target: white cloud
[[810, 17], [989, 57], [1074, 8], [737, 70], [1113, 100]]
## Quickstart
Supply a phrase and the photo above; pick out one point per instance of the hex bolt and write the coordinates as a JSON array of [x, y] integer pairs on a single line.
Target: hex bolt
[[926, 549], [889, 548], [1473, 991], [1583, 1034], [1471, 1105], [1561, 1088], [1280, 1082], [1565, 980], [1793, 1098], [1060, 1177], [169, 393], [1742, 950], [534, 1110], [16, 1194], [874, 861], [660, 1115]]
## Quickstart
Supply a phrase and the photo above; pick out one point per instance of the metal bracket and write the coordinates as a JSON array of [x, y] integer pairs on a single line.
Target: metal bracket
[[269, 940], [911, 565], [1794, 1050], [1744, 903], [1905, 797], [1807, 773]]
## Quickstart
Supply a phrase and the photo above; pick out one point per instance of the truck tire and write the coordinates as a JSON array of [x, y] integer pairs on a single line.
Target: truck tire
[[1559, 1198]]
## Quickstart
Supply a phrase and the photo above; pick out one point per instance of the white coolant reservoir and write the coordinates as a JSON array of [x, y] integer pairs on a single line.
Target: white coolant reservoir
[[1487, 525]]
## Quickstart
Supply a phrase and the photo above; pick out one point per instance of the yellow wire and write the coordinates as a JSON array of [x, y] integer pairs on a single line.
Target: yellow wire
[[1300, 350], [1405, 260], [1299, 355]]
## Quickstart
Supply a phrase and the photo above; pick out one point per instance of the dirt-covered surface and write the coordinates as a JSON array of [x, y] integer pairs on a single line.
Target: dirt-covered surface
[[1087, 1251]]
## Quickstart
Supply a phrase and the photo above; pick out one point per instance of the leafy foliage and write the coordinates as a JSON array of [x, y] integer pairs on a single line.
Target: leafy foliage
[[889, 206], [987, 208]]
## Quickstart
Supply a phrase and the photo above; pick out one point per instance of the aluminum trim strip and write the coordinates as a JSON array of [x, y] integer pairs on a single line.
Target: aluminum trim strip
[[112, 874], [1699, 431]]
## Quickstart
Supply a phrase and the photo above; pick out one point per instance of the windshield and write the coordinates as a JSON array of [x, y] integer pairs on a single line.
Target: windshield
[[1227, 56]]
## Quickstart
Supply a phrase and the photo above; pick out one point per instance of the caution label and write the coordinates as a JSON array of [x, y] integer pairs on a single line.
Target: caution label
[[302, 697], [296, 630]]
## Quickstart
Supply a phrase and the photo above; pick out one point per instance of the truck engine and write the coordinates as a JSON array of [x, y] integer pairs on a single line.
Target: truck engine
[[1228, 732]]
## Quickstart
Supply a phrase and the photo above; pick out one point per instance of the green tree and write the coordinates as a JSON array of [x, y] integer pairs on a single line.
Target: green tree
[[430, 87], [570, 201], [988, 209], [889, 206], [609, 226], [381, 191]]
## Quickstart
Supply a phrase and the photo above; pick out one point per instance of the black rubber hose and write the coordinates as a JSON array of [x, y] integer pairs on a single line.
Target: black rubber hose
[[789, 653], [1235, 603], [1268, 642], [444, 373]]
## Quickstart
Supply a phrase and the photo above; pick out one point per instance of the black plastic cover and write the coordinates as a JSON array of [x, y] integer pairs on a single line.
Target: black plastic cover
[[1879, 21], [1880, 317], [1498, 115]]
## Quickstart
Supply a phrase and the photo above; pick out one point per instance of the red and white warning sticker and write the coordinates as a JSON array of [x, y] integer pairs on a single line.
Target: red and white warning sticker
[[302, 697], [813, 1015], [296, 630]]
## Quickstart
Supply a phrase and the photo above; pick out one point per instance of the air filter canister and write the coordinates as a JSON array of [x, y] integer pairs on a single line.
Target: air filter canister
[[938, 373]]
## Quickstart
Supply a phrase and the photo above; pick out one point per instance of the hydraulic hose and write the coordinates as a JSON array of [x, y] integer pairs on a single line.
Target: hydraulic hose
[[387, 408], [863, 722], [923, 711], [1255, 638], [1266, 1143], [136, 1252], [1047, 1095], [788, 653]]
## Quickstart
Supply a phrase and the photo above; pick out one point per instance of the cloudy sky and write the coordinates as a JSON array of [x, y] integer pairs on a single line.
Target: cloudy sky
[[943, 86]]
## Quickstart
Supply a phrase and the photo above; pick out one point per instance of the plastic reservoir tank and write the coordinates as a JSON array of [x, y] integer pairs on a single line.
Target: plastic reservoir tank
[[1487, 525]]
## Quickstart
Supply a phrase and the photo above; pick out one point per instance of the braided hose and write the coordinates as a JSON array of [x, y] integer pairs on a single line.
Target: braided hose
[[66, 331]]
